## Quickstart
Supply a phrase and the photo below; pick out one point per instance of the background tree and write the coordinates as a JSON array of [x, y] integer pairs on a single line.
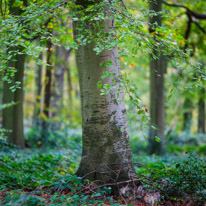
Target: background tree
[[60, 68], [38, 83], [47, 90], [195, 19], [157, 97], [201, 111], [13, 115]]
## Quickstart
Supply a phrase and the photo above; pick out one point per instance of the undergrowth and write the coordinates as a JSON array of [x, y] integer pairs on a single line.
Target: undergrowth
[[46, 176]]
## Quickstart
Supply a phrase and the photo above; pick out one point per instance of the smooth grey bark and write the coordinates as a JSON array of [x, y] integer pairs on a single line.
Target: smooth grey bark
[[157, 96], [104, 123], [201, 111], [13, 115]]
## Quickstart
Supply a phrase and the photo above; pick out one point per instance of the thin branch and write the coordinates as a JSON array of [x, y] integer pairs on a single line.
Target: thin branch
[[49, 11], [200, 27], [192, 13], [188, 30]]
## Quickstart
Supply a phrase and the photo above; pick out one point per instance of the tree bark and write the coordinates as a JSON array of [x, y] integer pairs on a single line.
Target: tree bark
[[13, 115], [38, 81], [69, 87], [104, 123], [47, 95], [58, 83], [187, 116], [201, 111], [48, 80], [157, 96]]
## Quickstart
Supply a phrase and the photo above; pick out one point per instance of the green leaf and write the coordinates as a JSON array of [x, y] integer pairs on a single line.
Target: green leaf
[[145, 138], [157, 139]]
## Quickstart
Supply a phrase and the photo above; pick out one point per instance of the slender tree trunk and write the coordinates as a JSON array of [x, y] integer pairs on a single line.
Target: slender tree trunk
[[104, 124], [48, 80], [47, 94], [38, 81], [157, 97], [187, 116], [13, 115], [201, 111], [1, 97], [69, 87], [61, 61], [58, 83]]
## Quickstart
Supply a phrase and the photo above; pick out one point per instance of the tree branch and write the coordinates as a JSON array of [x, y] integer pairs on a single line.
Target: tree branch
[[200, 27], [192, 13], [188, 30]]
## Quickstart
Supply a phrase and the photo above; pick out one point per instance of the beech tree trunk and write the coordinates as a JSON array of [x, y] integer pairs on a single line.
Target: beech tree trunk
[[104, 123], [13, 115], [157, 97], [201, 111]]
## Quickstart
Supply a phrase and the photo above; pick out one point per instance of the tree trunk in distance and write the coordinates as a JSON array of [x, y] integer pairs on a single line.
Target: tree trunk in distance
[[62, 56], [201, 111], [157, 97], [104, 124], [48, 80], [58, 81], [187, 116], [13, 115], [38, 81], [69, 87], [47, 94], [1, 97]]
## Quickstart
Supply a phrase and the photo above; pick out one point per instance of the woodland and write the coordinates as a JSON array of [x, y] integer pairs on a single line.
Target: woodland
[[102, 102]]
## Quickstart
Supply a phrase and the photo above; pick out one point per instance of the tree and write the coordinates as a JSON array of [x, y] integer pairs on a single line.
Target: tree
[[13, 115], [105, 136], [187, 116], [48, 79], [157, 97], [201, 111], [69, 83], [60, 68], [58, 83], [196, 19], [38, 92], [47, 91]]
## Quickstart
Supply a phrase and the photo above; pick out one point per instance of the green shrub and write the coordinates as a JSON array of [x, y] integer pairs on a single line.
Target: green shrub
[[187, 178], [202, 149], [53, 137], [175, 149]]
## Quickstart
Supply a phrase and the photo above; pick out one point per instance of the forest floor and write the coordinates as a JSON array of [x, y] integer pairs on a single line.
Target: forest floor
[[46, 177]]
